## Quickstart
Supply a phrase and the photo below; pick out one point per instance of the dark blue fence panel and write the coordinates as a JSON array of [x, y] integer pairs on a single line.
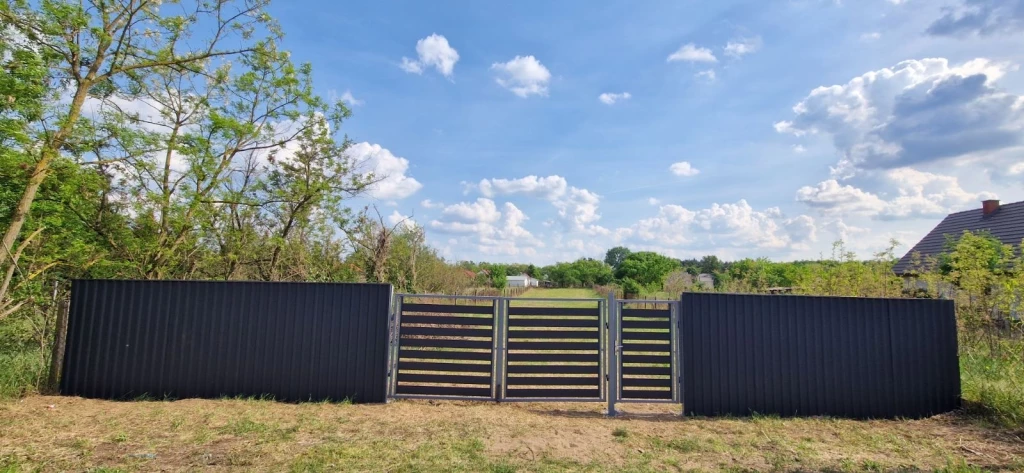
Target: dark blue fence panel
[[798, 355], [289, 341]]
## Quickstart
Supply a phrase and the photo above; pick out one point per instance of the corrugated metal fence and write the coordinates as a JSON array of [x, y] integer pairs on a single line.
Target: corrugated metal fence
[[290, 341], [799, 355]]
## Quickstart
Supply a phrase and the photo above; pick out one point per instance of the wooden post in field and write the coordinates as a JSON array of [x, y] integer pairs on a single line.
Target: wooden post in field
[[60, 333]]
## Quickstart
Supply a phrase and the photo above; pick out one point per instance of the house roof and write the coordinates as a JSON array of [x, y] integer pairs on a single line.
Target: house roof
[[1006, 224]]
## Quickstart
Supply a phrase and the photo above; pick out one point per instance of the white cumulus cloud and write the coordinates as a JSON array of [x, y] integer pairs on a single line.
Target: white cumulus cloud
[[388, 171], [610, 98], [683, 169], [523, 75], [742, 46], [692, 53], [432, 51]]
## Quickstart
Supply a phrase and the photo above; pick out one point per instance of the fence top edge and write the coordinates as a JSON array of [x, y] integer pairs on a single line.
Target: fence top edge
[[809, 296], [231, 281], [442, 296]]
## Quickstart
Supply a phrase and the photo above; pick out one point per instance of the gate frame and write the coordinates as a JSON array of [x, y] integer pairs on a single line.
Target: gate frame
[[394, 351], [602, 318], [609, 350], [615, 363]]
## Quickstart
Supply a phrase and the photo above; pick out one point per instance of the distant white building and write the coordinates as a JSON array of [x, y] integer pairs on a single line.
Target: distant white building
[[523, 280]]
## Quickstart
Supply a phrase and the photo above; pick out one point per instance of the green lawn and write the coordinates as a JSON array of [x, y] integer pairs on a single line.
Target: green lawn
[[558, 293]]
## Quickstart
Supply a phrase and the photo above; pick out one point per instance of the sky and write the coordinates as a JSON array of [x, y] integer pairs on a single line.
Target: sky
[[540, 131]]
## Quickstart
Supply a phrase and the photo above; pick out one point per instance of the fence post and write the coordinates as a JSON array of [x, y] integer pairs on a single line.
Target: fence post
[[394, 335], [612, 374], [498, 357], [60, 333]]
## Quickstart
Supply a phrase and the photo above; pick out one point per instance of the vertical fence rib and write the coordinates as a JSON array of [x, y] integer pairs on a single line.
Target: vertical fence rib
[[613, 354]]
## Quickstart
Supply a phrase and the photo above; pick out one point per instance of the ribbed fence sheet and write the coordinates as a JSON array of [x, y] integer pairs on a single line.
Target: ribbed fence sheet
[[804, 356], [181, 339]]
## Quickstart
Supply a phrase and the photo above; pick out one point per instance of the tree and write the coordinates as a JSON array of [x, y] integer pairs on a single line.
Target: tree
[[615, 256], [646, 268], [710, 264], [499, 277], [95, 49]]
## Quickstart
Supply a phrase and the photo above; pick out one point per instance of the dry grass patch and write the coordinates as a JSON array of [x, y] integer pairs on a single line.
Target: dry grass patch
[[58, 434]]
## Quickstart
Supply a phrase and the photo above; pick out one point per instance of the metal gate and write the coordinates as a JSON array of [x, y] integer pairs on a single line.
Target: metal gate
[[531, 349]]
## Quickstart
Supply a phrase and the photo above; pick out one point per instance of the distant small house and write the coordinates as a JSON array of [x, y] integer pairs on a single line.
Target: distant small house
[[523, 280], [1004, 222], [706, 280]]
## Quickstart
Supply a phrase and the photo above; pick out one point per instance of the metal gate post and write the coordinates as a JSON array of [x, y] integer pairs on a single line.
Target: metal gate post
[[394, 329], [612, 375], [501, 338], [675, 338]]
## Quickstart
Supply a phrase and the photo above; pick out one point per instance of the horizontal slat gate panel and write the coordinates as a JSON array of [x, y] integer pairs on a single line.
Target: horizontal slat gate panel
[[569, 311], [442, 320], [553, 393], [646, 324], [647, 359], [554, 334], [647, 370], [445, 355], [554, 323], [566, 346], [446, 332], [660, 336], [438, 343], [454, 367], [646, 347], [443, 379], [638, 394], [549, 381], [444, 391], [554, 357], [447, 309], [646, 313], [647, 382], [553, 369]]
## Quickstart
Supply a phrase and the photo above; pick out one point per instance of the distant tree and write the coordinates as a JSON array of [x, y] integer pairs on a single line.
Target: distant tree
[[710, 264], [615, 256], [646, 268], [499, 277], [631, 287], [532, 271]]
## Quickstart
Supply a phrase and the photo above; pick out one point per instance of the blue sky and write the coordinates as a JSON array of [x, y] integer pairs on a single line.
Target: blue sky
[[799, 122]]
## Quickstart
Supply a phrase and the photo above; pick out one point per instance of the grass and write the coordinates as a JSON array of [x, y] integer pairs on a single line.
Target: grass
[[992, 383], [18, 372], [245, 435], [559, 293]]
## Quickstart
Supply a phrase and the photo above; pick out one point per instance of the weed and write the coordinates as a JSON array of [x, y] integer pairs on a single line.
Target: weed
[[120, 437], [620, 433], [684, 445]]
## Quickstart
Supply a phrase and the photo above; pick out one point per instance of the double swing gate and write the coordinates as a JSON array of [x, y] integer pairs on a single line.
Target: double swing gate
[[523, 349]]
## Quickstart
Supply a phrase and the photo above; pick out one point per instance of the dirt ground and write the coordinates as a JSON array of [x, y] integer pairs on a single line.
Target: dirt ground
[[73, 434]]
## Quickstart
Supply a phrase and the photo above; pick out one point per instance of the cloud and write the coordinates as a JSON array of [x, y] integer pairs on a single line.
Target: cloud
[[692, 53], [524, 76], [610, 98], [916, 112], [683, 169], [724, 225], [348, 98], [980, 17], [492, 231], [799, 149], [405, 221], [708, 75], [653, 201], [578, 208], [872, 36], [387, 169], [433, 51], [429, 204], [548, 188], [918, 194], [742, 46]]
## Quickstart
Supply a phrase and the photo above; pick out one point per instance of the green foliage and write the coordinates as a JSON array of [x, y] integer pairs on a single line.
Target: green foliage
[[992, 374], [631, 287], [584, 272], [646, 268], [499, 278], [615, 256]]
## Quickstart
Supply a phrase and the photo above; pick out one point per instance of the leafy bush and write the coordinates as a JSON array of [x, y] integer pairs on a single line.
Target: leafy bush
[[631, 287], [993, 380]]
